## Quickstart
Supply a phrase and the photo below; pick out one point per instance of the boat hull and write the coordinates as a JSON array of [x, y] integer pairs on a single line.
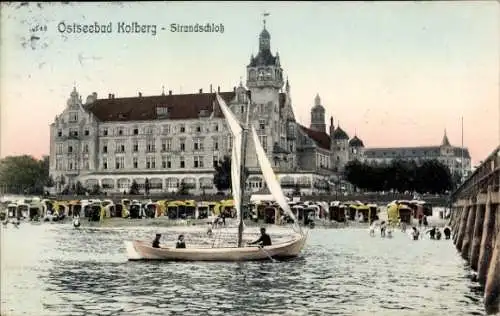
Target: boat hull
[[140, 250]]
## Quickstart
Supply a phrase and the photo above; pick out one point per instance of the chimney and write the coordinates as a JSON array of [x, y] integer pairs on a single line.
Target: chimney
[[218, 89], [234, 89], [210, 88], [201, 90], [109, 96], [169, 92], [140, 94]]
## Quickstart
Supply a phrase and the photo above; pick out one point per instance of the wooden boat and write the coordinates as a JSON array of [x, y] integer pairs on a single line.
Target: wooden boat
[[143, 250]]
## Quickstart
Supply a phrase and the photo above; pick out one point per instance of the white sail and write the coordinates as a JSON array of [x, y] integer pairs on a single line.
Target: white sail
[[270, 177], [236, 131]]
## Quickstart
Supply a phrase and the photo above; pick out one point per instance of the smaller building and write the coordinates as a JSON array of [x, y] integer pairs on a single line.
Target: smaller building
[[457, 159]]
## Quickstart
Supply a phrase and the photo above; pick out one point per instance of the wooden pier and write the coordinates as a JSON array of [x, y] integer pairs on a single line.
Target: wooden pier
[[475, 223]]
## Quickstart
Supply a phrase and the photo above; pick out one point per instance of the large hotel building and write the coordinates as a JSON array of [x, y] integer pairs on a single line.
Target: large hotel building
[[173, 139]]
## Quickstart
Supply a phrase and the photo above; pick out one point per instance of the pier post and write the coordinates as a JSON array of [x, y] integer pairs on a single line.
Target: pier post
[[469, 230], [486, 240], [492, 288], [477, 236], [463, 224]]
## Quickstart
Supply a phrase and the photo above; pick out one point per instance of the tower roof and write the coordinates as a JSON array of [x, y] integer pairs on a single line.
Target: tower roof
[[340, 134], [356, 142], [445, 141]]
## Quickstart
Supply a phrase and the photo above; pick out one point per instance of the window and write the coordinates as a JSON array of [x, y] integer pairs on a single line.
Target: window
[[86, 132], [105, 148], [120, 147], [59, 148], [105, 132], [215, 160], [150, 147], [73, 132], [163, 145], [59, 133], [73, 117], [120, 131], [216, 144], [70, 149], [136, 131], [150, 162], [70, 165], [135, 162], [85, 148], [262, 124], [182, 128], [169, 163], [169, 144], [166, 129], [242, 109], [198, 161], [120, 162], [182, 164], [148, 130], [216, 127], [263, 142], [85, 164], [182, 146], [104, 163], [59, 164], [198, 128], [135, 147], [198, 144]]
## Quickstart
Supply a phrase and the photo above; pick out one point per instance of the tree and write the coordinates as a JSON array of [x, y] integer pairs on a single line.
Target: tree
[[24, 174], [183, 189], [134, 188], [96, 190], [222, 175], [146, 186], [50, 182], [79, 189]]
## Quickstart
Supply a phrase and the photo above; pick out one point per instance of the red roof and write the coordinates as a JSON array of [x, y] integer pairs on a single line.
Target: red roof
[[144, 108], [320, 138]]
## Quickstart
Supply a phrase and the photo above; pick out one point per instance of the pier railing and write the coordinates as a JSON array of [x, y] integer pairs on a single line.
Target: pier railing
[[475, 223]]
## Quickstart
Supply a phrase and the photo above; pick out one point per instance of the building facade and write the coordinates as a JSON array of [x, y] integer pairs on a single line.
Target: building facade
[[457, 159], [173, 139]]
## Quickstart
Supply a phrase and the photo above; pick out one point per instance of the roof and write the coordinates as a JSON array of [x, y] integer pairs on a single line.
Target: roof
[[339, 134], [264, 58], [320, 138], [412, 152], [145, 108], [356, 142]]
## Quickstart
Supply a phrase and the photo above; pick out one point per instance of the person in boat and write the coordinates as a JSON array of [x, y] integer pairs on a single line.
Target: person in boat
[[180, 242], [438, 234], [415, 233], [447, 232], [264, 239], [156, 241]]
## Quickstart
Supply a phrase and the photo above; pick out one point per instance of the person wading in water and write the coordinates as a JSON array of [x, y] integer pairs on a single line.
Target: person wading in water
[[415, 233], [264, 239], [447, 232]]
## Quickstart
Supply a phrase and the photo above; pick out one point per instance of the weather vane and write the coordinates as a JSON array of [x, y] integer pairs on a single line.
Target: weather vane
[[264, 19]]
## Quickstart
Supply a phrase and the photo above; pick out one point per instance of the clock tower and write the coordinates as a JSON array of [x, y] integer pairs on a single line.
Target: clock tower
[[265, 81]]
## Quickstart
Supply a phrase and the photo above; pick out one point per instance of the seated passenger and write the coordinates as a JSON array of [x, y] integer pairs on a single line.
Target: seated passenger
[[180, 242], [156, 242], [264, 239]]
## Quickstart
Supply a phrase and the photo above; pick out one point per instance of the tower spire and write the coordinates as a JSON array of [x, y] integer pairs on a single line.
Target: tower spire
[[264, 15], [163, 90]]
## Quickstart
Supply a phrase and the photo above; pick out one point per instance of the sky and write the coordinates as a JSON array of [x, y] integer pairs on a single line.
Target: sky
[[393, 73]]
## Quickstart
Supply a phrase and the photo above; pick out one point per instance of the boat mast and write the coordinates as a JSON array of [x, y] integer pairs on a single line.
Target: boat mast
[[244, 141]]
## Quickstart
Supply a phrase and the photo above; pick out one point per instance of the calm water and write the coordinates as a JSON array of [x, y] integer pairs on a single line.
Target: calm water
[[54, 269]]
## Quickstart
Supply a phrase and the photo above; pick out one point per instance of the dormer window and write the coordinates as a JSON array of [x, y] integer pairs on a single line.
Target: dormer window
[[73, 117], [59, 133], [105, 132], [86, 132]]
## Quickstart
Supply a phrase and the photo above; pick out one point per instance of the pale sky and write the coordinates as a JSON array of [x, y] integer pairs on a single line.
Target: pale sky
[[396, 73]]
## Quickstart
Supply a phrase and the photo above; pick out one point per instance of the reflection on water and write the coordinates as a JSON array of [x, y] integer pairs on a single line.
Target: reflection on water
[[54, 269]]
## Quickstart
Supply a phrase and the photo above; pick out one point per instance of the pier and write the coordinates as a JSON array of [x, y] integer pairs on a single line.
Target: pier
[[475, 223]]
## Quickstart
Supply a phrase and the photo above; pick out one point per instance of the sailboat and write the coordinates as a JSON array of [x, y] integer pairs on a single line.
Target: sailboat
[[143, 250]]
